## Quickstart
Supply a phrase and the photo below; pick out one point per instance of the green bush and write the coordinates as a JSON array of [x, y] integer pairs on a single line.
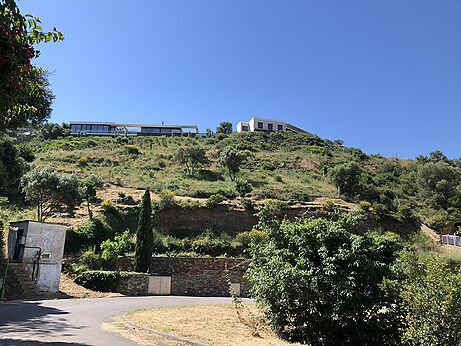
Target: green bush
[[112, 249], [214, 200], [167, 199], [431, 300], [254, 236], [243, 187], [99, 280], [247, 204], [92, 233], [320, 284], [131, 149]]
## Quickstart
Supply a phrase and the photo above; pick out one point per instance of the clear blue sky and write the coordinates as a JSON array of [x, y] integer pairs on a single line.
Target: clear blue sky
[[384, 76]]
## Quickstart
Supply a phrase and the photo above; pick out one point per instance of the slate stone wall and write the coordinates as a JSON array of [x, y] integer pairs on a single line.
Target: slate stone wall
[[207, 277], [135, 284]]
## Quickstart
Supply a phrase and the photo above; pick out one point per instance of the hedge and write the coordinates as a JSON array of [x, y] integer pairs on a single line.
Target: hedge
[[101, 280]]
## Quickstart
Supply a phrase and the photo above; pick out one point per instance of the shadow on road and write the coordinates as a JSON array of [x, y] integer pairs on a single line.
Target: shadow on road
[[17, 320], [16, 342]]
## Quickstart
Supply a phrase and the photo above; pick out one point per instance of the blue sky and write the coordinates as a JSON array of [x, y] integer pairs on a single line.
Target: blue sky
[[383, 76]]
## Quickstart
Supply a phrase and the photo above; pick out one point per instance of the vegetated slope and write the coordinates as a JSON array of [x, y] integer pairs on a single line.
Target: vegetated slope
[[279, 165]]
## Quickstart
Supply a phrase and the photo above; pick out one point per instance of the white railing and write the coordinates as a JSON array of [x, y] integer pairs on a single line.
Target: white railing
[[451, 240]]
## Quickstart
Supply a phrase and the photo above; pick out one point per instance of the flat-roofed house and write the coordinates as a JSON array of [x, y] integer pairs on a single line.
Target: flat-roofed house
[[262, 124], [111, 129]]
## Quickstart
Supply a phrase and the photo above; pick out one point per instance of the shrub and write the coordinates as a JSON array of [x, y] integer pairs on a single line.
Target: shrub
[[247, 204], [270, 214], [267, 166], [111, 249], [243, 187], [365, 206], [90, 260], [92, 233], [254, 236], [319, 284], [214, 200], [278, 178], [431, 298], [99, 280], [131, 149], [166, 199]]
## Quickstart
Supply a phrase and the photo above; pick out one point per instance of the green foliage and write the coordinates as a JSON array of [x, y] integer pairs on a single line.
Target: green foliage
[[270, 215], [167, 199], [437, 182], [224, 127], [231, 159], [346, 178], [112, 249], [144, 235], [253, 237], [91, 234], [131, 149], [87, 189], [50, 191], [12, 166], [99, 280], [247, 204], [25, 152], [243, 187], [24, 93], [214, 200], [320, 284], [191, 158], [432, 305], [53, 131]]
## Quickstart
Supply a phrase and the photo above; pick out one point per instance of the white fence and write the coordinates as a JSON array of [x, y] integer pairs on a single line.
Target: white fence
[[451, 240]]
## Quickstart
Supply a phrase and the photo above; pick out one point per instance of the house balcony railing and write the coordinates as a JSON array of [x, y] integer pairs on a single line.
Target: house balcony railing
[[451, 240]]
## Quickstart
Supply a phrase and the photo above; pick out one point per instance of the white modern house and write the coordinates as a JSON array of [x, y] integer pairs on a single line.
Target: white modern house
[[110, 129], [262, 124]]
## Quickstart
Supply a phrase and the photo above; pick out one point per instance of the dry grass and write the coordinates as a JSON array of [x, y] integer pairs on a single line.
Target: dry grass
[[71, 290], [208, 325]]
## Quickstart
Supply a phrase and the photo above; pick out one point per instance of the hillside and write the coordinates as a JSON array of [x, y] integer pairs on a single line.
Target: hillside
[[302, 170]]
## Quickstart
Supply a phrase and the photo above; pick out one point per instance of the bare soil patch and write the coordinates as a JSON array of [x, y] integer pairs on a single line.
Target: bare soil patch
[[202, 325]]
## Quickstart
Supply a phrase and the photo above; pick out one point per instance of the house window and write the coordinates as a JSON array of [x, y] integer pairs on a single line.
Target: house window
[[270, 127], [244, 128], [279, 127], [260, 125]]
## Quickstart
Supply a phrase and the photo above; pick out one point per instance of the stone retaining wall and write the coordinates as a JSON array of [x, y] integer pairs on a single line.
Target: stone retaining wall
[[134, 284], [206, 277]]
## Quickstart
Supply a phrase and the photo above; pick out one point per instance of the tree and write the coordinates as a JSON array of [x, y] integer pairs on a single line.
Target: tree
[[320, 284], [53, 131], [87, 189], [437, 182], [231, 159], [12, 166], [144, 236], [224, 127], [431, 299], [191, 158], [50, 191], [24, 92], [346, 178]]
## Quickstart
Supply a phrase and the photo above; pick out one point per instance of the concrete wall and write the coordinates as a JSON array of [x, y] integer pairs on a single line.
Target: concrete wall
[[50, 239]]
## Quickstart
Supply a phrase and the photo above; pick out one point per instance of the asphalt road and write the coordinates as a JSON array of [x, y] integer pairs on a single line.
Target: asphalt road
[[77, 321]]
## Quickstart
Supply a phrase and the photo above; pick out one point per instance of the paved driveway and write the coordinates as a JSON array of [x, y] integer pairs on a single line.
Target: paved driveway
[[76, 321]]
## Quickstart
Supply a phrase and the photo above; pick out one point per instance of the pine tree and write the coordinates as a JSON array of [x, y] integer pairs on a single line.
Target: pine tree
[[144, 236]]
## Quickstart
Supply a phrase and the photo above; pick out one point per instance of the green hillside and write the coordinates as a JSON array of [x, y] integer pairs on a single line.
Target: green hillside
[[279, 165]]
